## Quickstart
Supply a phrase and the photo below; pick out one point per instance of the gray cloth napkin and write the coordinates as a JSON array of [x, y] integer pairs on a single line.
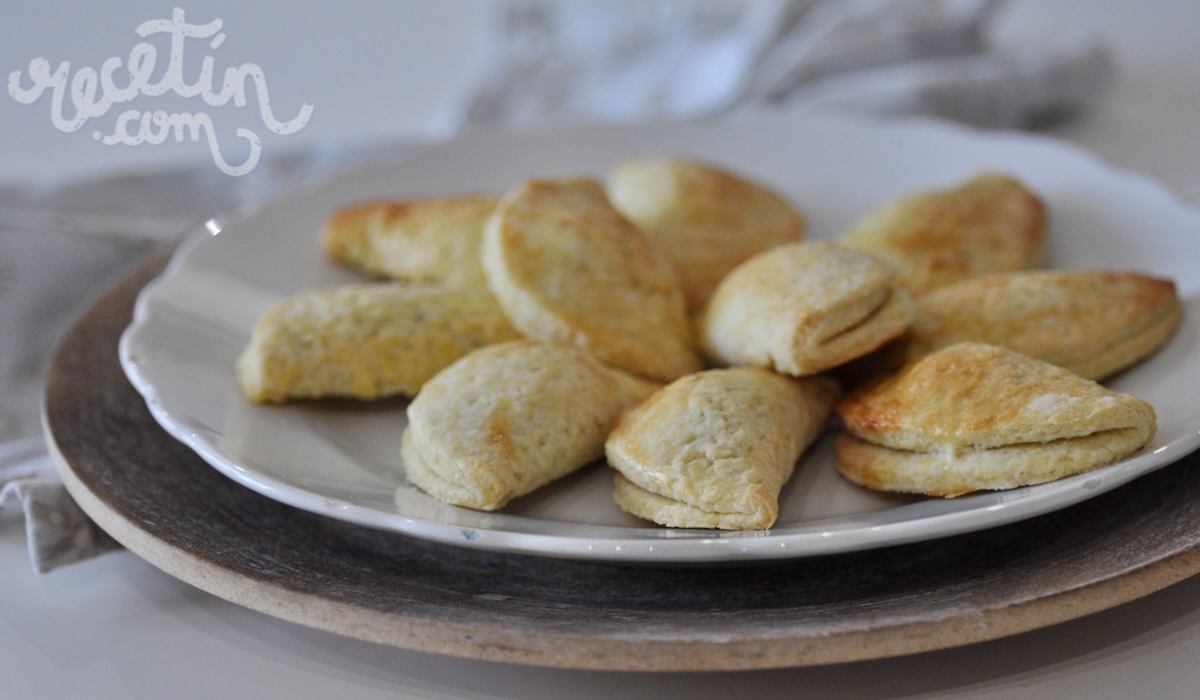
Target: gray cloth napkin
[[544, 61], [59, 247], [540, 62]]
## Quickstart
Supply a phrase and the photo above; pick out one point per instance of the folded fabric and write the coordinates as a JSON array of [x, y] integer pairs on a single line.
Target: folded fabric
[[56, 529], [542, 61]]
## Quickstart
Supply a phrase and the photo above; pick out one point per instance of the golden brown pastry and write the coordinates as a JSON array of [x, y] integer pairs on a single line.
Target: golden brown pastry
[[365, 341], [432, 239], [991, 223], [566, 267], [1094, 323], [714, 449], [510, 418], [705, 220], [802, 308], [974, 416]]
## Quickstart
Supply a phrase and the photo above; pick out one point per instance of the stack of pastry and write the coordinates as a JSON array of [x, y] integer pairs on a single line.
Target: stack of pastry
[[675, 323]]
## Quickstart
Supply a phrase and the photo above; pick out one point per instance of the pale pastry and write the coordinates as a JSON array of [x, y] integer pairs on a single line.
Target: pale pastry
[[991, 223], [975, 417], [1094, 323], [566, 267], [510, 418], [433, 239], [365, 341], [703, 219], [802, 308], [715, 448]]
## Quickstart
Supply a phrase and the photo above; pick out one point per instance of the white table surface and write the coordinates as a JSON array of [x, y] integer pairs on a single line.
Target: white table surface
[[115, 627]]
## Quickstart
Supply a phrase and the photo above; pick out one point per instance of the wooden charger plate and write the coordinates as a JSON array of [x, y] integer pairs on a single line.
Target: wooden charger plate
[[168, 506]]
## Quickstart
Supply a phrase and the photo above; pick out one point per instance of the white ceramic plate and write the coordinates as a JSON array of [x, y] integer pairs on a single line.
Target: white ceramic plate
[[342, 459]]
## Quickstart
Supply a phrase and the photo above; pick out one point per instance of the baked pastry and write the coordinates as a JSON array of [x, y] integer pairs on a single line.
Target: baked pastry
[[991, 223], [510, 418], [802, 308], [566, 267], [974, 416], [433, 239], [1094, 323], [703, 219], [365, 341], [714, 449]]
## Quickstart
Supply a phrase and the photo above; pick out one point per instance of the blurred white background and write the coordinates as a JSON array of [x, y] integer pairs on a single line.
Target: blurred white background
[[382, 68], [370, 68]]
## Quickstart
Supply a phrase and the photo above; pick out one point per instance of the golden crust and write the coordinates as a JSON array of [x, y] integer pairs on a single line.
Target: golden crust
[[428, 240], [365, 341], [714, 449], [802, 308], [991, 223], [977, 416], [567, 267], [703, 219], [996, 469], [1094, 323], [510, 418]]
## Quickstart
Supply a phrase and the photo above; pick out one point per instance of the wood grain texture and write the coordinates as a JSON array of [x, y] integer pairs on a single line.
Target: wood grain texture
[[168, 506]]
